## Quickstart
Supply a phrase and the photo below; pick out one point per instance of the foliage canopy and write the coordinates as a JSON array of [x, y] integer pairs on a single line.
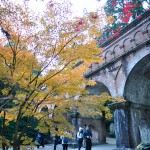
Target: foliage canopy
[[123, 12], [39, 54]]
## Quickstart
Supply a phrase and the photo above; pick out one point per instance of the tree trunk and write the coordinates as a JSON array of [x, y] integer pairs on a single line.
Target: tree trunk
[[4, 146], [16, 145], [3, 133]]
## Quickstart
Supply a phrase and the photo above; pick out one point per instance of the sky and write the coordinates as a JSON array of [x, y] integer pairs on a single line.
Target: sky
[[90, 5], [78, 7]]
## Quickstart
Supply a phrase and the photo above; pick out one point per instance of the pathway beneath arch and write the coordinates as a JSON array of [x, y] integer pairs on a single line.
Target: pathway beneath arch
[[111, 145]]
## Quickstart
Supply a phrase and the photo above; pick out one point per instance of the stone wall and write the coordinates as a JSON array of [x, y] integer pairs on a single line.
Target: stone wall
[[97, 126], [139, 124], [125, 72]]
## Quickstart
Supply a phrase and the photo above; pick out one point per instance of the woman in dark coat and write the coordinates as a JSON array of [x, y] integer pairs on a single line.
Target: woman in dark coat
[[40, 140], [55, 141], [88, 136]]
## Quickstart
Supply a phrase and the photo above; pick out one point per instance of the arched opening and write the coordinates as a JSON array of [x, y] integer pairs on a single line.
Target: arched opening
[[138, 83], [102, 130], [94, 132], [97, 89], [137, 93]]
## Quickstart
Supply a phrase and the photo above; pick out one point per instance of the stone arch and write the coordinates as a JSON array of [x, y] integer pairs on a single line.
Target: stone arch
[[94, 131], [109, 55], [44, 109], [98, 126], [139, 76], [148, 29], [139, 37], [136, 92], [97, 89], [128, 44], [117, 51]]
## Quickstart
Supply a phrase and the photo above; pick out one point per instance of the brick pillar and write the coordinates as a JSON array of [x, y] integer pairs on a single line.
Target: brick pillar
[[121, 117]]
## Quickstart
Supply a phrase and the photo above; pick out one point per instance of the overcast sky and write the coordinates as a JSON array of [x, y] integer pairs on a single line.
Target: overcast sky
[[78, 7], [89, 5]]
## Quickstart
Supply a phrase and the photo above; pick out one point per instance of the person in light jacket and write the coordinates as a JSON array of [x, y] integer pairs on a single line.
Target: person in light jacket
[[80, 138]]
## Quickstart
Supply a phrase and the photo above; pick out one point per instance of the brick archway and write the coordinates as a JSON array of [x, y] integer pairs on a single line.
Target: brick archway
[[97, 89], [137, 94]]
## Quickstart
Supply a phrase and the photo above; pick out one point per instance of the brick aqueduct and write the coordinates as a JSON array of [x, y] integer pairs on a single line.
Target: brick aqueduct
[[125, 72]]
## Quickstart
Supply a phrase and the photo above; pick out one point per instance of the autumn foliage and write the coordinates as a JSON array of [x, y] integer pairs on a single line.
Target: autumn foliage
[[39, 54], [123, 12]]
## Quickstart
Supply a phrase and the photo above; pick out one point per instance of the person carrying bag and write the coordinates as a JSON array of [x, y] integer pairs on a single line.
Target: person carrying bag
[[80, 138]]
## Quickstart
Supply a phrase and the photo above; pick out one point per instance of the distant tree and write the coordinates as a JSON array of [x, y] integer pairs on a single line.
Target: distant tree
[[124, 12]]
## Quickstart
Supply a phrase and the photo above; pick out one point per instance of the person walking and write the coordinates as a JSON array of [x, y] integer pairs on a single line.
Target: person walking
[[84, 132], [65, 141], [56, 139], [80, 137], [39, 141], [42, 141], [88, 136]]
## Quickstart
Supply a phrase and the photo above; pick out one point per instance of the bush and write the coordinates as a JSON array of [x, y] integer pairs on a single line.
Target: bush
[[143, 146]]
